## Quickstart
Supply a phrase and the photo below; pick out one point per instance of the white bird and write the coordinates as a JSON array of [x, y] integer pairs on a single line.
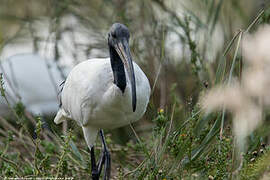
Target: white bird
[[105, 94]]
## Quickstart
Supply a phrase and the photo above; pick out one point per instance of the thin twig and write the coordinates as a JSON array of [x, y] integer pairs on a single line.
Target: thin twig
[[229, 81], [255, 20], [136, 135]]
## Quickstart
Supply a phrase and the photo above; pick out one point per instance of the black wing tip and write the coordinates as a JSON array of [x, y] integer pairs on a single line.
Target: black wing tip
[[59, 93]]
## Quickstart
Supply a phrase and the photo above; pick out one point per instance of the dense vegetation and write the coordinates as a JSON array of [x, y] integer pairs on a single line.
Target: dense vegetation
[[185, 48]]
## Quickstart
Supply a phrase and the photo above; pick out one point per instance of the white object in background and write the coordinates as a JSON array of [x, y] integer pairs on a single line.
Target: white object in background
[[32, 79]]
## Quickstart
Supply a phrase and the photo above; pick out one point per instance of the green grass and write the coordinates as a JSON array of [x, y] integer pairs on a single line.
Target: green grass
[[258, 167], [166, 155]]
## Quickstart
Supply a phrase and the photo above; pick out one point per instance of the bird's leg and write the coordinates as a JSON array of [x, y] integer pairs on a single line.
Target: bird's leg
[[101, 163], [105, 158], [94, 169]]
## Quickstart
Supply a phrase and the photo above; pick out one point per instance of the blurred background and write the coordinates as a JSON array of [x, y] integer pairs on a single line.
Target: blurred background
[[178, 44]]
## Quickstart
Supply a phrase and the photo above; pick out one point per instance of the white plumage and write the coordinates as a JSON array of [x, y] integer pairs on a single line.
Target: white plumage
[[105, 94], [91, 98]]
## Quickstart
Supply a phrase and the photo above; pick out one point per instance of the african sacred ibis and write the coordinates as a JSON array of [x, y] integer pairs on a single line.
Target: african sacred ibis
[[105, 93]]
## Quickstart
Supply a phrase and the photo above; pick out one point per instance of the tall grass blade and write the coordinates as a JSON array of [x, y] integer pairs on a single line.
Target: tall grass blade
[[216, 16], [206, 141]]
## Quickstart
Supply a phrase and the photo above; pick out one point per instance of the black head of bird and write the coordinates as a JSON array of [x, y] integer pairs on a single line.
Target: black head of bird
[[118, 41]]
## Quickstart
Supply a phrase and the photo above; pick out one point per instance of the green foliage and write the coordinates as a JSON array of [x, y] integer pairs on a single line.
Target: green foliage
[[195, 57], [2, 90], [19, 110], [257, 166], [160, 121]]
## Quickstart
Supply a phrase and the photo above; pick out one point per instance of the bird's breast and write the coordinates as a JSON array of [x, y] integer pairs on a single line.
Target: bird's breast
[[115, 109]]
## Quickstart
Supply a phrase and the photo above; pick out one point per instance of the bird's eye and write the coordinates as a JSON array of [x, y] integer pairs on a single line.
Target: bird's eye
[[113, 34]]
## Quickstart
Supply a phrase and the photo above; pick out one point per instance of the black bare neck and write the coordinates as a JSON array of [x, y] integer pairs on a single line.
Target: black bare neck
[[118, 70]]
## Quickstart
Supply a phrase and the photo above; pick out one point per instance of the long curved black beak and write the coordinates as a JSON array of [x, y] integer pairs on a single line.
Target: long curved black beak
[[122, 48]]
